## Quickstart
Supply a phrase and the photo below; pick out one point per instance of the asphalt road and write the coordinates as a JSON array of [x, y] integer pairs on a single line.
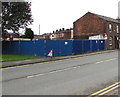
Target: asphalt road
[[76, 76]]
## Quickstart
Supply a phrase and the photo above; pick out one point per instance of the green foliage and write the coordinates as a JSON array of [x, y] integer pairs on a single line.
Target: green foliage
[[16, 15], [29, 33]]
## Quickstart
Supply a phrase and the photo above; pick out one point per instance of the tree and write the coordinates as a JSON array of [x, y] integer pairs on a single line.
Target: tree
[[5, 35], [16, 15], [29, 33]]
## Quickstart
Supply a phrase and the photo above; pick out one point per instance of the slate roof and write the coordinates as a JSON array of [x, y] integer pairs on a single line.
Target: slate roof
[[104, 18], [107, 18]]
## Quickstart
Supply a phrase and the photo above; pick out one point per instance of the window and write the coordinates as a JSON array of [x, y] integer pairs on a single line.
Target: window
[[110, 40], [117, 29], [110, 28], [117, 38]]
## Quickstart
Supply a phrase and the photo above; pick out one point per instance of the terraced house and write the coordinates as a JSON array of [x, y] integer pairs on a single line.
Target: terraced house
[[91, 25]]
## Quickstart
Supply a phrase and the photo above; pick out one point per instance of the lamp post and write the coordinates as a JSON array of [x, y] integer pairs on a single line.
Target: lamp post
[[0, 23], [0, 46], [39, 29], [0, 16]]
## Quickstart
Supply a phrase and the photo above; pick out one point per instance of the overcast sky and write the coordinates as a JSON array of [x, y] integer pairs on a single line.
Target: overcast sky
[[55, 14]]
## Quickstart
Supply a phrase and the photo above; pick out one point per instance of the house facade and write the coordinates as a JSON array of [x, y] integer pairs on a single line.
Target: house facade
[[91, 25], [39, 37], [62, 34]]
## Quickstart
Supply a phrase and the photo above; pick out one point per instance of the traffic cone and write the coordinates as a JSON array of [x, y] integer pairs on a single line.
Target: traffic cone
[[50, 53]]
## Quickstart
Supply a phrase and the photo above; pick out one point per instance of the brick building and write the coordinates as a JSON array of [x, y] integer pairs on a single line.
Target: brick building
[[39, 37], [93, 24], [62, 34]]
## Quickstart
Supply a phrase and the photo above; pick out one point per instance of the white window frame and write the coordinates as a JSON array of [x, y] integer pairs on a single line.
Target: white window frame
[[110, 27], [110, 40], [117, 29]]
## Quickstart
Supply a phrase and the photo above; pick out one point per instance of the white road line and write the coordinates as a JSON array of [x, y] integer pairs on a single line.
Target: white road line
[[99, 62], [106, 60], [65, 69], [111, 59]]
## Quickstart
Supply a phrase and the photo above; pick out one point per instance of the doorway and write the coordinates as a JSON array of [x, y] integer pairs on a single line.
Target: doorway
[[116, 42]]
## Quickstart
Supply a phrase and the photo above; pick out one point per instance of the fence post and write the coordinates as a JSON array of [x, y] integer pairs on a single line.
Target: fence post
[[82, 46], [34, 47], [72, 47], [60, 48], [91, 45], [19, 46], [45, 48]]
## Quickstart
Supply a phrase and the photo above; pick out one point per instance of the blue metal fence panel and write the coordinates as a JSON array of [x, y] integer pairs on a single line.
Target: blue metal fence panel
[[66, 47], [101, 44], [27, 48], [14, 47], [52, 45], [95, 45], [77, 47], [39, 47], [6, 47], [86, 46]]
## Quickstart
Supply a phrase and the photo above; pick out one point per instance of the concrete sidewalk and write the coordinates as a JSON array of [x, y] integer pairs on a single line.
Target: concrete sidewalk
[[33, 61]]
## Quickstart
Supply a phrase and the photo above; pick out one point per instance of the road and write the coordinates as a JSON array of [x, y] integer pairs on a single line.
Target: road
[[76, 76]]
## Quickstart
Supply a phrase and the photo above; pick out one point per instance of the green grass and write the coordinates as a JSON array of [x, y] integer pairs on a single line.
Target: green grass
[[12, 57]]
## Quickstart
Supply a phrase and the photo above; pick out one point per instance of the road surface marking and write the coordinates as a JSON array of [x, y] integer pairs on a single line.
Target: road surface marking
[[25, 65], [54, 71], [49, 62], [30, 64], [105, 60], [99, 62], [108, 91], [65, 69], [85, 55], [105, 90]]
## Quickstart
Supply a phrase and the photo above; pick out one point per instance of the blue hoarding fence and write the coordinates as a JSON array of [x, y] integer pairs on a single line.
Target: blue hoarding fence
[[59, 47], [77, 46], [52, 45], [84, 46], [66, 47], [95, 45]]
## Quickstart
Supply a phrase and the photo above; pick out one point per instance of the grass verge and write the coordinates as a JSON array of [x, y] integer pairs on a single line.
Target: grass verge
[[12, 57]]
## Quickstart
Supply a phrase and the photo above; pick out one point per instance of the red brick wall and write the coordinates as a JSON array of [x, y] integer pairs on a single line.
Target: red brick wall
[[64, 36], [67, 35], [89, 24], [113, 34]]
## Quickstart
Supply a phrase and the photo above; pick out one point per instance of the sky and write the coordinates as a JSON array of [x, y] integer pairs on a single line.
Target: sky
[[55, 14]]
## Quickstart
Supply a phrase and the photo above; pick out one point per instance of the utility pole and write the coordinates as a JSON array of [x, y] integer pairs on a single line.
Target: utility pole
[[39, 29], [0, 21], [0, 16], [119, 24], [0, 46]]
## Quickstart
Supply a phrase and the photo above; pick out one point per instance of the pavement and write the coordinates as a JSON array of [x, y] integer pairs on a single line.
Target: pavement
[[47, 59]]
